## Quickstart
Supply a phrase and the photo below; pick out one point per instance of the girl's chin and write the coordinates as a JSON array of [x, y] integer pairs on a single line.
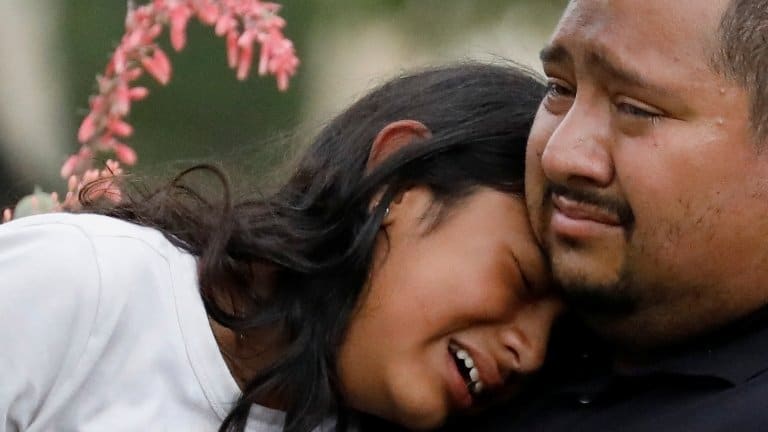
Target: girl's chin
[[422, 422], [407, 411]]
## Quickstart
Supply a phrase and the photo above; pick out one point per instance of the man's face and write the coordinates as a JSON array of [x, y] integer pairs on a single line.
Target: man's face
[[644, 183]]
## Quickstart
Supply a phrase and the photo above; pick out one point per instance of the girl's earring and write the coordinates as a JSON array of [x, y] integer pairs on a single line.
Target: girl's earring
[[386, 212]]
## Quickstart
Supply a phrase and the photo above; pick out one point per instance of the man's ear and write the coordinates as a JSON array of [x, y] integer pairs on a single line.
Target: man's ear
[[393, 137]]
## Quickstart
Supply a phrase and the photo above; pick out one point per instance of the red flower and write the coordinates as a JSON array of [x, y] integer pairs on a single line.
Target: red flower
[[180, 14], [158, 65], [242, 22]]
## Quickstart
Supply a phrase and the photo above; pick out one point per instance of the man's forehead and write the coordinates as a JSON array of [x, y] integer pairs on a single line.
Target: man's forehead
[[679, 28], [652, 16]]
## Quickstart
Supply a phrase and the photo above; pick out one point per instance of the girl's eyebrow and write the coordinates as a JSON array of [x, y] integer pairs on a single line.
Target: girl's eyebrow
[[527, 284]]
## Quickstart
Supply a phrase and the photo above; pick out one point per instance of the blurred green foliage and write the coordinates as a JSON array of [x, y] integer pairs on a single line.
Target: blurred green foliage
[[205, 113]]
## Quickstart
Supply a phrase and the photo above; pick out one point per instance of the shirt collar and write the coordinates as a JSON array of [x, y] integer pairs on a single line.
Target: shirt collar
[[734, 353]]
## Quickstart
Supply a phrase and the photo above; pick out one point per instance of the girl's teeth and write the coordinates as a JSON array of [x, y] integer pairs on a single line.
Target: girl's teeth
[[474, 374], [476, 386]]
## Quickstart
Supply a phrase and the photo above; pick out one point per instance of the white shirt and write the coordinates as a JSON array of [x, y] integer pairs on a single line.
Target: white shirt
[[102, 329]]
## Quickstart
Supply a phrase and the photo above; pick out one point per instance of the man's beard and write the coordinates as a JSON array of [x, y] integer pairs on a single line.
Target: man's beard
[[599, 302]]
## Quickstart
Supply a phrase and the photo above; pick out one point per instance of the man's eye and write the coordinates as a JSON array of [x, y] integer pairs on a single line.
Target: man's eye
[[555, 89], [637, 111]]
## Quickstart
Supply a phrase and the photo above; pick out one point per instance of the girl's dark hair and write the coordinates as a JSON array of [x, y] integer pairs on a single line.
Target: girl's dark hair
[[297, 260]]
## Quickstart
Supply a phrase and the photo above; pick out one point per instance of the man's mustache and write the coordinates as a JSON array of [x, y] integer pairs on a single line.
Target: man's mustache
[[620, 208]]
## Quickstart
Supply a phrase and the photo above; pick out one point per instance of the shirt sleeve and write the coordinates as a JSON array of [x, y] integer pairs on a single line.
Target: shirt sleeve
[[49, 298]]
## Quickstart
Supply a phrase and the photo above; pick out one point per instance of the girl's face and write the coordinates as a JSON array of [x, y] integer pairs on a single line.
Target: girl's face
[[453, 316]]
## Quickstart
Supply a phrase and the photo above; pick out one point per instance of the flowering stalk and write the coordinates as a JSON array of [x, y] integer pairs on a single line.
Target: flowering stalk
[[98, 184], [243, 23]]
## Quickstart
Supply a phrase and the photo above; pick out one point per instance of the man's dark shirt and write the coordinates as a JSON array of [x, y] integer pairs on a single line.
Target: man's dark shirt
[[717, 383]]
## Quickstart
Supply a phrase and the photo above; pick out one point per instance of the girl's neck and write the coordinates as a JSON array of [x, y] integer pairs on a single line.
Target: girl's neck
[[247, 354]]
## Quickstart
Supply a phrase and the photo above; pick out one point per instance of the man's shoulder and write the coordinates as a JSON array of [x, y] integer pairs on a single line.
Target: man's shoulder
[[717, 383]]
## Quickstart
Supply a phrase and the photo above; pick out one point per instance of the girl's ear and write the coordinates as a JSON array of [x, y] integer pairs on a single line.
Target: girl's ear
[[393, 137]]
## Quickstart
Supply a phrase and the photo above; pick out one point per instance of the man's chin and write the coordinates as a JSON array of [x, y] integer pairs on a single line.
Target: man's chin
[[599, 302], [594, 292]]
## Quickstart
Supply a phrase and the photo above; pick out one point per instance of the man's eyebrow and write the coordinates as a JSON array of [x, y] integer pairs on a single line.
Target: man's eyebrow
[[554, 54], [604, 63]]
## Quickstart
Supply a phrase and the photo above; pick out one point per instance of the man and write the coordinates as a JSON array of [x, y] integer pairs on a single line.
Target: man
[[647, 185]]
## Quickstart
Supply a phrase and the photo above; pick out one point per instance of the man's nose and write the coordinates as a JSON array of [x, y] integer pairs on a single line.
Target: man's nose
[[578, 152]]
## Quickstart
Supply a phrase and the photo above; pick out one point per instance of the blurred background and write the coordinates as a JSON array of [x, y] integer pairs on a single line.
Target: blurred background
[[52, 50]]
